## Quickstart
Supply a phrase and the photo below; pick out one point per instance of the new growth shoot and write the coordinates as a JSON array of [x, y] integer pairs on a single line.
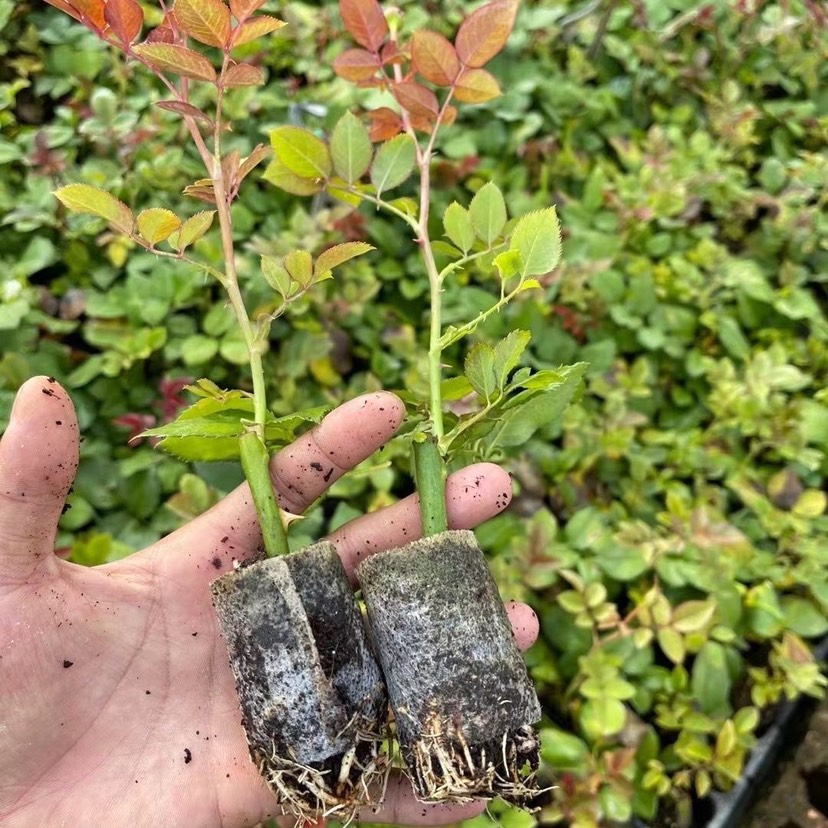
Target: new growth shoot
[[168, 53]]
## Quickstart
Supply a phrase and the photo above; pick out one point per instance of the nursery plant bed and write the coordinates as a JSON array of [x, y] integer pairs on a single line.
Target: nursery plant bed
[[311, 692], [787, 805]]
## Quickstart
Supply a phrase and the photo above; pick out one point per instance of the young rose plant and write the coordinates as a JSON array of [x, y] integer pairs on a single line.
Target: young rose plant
[[313, 693]]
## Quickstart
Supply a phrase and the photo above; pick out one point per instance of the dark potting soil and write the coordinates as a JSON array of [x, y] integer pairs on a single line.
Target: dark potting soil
[[311, 692], [463, 702]]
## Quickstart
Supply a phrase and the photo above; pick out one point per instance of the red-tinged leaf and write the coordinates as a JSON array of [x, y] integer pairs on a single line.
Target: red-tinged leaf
[[356, 65], [162, 34], [91, 12], [125, 17], [187, 110], [390, 53], [66, 7], [421, 123], [202, 190], [243, 74], [449, 116], [485, 32], [207, 21], [168, 57], [365, 21], [258, 155], [385, 124], [257, 27], [242, 9], [434, 57], [476, 86], [416, 99]]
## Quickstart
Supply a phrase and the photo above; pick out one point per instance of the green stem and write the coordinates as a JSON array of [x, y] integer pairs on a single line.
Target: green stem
[[255, 460], [430, 479], [254, 454]]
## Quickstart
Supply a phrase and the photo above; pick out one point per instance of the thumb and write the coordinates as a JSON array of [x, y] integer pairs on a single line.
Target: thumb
[[38, 461]]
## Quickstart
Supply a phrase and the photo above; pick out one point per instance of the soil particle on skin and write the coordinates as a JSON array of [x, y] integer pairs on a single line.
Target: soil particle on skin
[[316, 466], [67, 664], [216, 562], [188, 756]]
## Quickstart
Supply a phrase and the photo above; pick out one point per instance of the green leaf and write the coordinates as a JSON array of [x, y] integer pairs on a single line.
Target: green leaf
[[458, 227], [563, 751], [508, 264], [394, 163], [525, 413], [672, 644], [83, 198], [803, 617], [301, 152], [507, 354], [479, 368], [455, 389], [276, 276], [693, 616], [192, 230], [537, 237], [600, 718], [299, 264], [488, 213], [280, 176], [337, 255], [351, 148], [710, 680], [156, 224]]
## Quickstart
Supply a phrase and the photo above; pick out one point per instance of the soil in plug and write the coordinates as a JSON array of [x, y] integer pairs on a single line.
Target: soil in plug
[[463, 702], [312, 695]]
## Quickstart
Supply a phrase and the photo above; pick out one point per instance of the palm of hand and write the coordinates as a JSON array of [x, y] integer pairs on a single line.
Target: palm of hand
[[117, 703]]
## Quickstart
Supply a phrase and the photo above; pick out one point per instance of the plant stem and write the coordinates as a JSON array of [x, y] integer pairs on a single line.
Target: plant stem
[[430, 479], [429, 460], [255, 457]]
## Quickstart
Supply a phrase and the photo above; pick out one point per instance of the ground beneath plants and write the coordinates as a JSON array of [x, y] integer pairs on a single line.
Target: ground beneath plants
[[799, 797]]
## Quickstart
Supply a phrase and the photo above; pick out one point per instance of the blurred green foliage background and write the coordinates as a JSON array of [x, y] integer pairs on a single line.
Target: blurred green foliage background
[[670, 528]]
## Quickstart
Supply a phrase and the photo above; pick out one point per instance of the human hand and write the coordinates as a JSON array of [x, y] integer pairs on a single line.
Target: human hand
[[117, 704]]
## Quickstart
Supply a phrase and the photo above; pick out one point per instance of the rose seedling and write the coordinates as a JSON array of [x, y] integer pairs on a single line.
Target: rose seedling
[[464, 706]]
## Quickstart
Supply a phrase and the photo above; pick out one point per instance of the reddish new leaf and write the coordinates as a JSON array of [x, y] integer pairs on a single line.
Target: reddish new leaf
[[257, 156], [485, 32], [125, 17], [385, 124], [242, 9], [168, 57], [356, 65], [390, 53], [449, 116], [434, 57], [207, 21], [162, 34], [187, 110], [476, 86], [243, 74], [67, 8], [365, 21], [416, 99], [257, 27], [91, 12]]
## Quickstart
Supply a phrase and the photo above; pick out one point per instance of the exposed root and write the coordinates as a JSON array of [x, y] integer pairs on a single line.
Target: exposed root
[[446, 768], [336, 787]]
